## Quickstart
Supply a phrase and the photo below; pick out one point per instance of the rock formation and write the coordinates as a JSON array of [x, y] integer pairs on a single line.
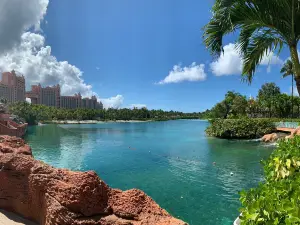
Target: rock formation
[[270, 137], [51, 196], [294, 133]]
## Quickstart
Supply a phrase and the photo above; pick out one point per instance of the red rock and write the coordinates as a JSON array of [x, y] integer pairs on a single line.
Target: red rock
[[51, 196], [270, 137]]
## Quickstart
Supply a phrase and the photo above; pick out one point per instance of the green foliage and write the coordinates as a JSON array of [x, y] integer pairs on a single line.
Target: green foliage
[[270, 103], [264, 26], [234, 105], [32, 114], [277, 201], [240, 128]]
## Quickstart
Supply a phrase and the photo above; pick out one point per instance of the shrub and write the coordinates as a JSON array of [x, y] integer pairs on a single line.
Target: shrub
[[240, 128], [277, 201]]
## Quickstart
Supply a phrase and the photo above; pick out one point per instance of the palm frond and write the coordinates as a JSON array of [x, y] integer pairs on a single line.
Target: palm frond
[[251, 16], [259, 46], [287, 69]]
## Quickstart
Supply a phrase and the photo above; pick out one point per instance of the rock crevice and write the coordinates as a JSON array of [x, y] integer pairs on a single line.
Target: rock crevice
[[51, 196]]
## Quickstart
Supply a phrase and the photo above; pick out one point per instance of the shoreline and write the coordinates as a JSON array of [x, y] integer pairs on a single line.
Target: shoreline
[[104, 121], [92, 121]]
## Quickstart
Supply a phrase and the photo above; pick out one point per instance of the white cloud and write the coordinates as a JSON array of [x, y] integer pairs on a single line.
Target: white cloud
[[231, 63], [193, 72], [17, 16], [33, 59], [113, 102], [271, 59], [27, 53], [139, 106]]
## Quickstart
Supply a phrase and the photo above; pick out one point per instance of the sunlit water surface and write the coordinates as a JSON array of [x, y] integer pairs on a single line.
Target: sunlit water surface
[[171, 161]]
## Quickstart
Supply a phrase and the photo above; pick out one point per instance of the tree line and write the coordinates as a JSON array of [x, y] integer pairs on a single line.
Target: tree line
[[33, 113], [269, 103]]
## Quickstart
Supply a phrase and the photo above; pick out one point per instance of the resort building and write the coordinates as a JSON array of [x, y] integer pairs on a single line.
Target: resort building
[[12, 87], [71, 102], [50, 96], [89, 103]]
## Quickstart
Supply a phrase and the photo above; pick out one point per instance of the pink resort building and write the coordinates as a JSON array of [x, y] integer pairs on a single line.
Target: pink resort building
[[12, 87]]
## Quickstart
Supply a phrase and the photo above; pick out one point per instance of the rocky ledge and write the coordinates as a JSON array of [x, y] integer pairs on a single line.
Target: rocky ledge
[[53, 196], [274, 137]]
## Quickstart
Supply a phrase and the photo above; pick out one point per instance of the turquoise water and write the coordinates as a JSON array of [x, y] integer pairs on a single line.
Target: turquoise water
[[171, 161]]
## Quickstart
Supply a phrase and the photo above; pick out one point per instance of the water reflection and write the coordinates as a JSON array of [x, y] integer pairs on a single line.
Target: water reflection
[[64, 148]]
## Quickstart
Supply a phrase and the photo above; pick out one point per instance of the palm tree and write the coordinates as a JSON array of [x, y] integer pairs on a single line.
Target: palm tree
[[287, 70], [264, 26]]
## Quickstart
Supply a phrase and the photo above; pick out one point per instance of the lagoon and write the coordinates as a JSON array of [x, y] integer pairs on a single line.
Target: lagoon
[[172, 161]]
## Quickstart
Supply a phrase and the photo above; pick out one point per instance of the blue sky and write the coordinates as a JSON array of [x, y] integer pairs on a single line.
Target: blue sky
[[127, 47]]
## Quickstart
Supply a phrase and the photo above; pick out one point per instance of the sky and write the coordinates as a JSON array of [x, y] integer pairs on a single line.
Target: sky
[[129, 53]]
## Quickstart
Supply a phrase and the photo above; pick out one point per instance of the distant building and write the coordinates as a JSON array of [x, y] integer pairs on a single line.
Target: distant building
[[71, 102], [49, 96], [99, 105], [12, 87], [89, 103]]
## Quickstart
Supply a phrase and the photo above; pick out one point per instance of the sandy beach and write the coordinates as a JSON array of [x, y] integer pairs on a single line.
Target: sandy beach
[[8, 218]]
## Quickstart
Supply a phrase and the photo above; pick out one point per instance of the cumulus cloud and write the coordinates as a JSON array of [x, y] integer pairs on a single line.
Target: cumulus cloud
[[113, 102], [271, 59], [17, 16], [139, 106], [231, 63], [33, 59], [179, 74], [26, 52]]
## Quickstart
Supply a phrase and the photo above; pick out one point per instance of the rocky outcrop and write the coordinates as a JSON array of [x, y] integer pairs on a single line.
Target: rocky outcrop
[[294, 133], [53, 196], [270, 137]]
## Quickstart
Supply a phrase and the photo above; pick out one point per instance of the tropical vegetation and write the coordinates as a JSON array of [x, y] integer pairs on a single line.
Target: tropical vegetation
[[245, 128], [40, 113], [277, 200], [264, 27], [269, 103]]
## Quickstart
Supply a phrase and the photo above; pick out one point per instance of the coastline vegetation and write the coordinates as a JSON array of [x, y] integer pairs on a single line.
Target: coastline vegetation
[[33, 114], [276, 201], [269, 103], [245, 128]]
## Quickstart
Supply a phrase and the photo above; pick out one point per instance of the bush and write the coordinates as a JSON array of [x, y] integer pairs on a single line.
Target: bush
[[240, 128], [277, 201]]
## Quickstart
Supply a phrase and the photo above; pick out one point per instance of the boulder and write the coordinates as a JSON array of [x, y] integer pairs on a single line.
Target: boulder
[[51, 196], [270, 137]]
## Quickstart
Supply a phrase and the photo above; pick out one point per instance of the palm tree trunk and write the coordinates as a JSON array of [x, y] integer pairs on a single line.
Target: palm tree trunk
[[292, 95], [296, 65]]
